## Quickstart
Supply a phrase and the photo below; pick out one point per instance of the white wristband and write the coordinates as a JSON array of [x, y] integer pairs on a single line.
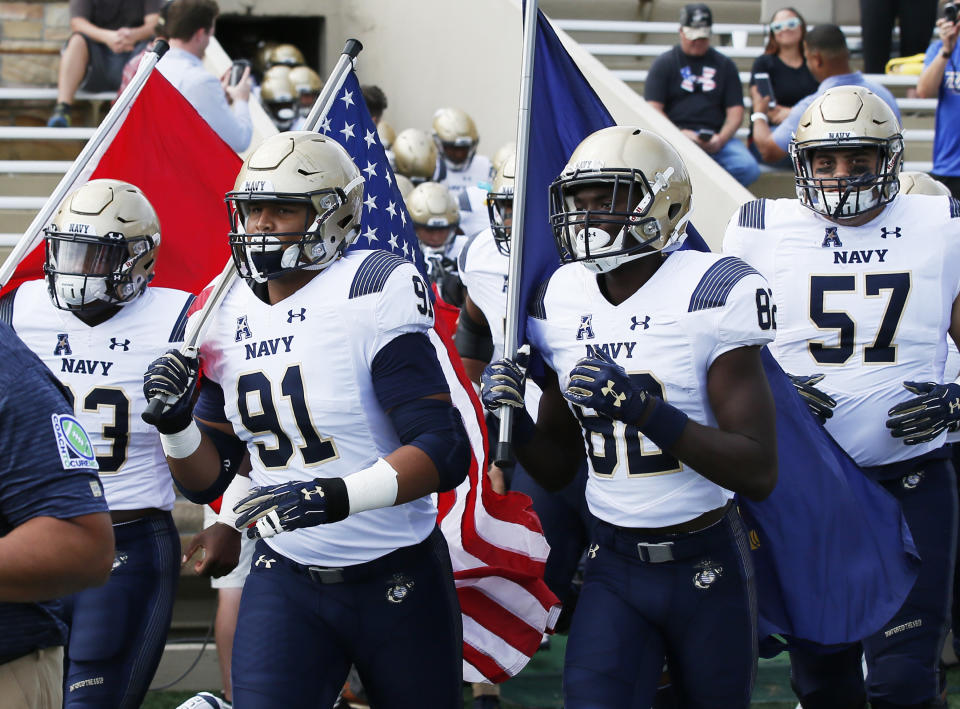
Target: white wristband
[[238, 489], [760, 116], [182, 444], [372, 488]]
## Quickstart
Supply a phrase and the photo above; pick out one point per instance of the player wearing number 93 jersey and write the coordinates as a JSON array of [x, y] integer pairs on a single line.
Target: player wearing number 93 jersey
[[96, 325], [320, 365], [867, 283], [655, 366]]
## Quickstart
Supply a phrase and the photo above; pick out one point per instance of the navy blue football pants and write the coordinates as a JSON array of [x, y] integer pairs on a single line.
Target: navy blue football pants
[[903, 658], [396, 618], [117, 631], [698, 610]]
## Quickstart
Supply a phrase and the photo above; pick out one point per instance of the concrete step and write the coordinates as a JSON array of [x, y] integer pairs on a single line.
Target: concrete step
[[18, 184], [188, 666]]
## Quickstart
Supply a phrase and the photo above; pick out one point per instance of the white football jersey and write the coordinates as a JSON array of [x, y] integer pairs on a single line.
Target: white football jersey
[[298, 391], [696, 307], [478, 173], [103, 368], [474, 216], [483, 272], [867, 306]]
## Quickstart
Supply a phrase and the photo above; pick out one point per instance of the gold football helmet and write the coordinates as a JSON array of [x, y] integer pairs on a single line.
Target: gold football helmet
[[279, 97], [296, 167], [456, 137], [284, 54], [307, 85], [847, 117], [647, 205], [415, 155], [404, 185], [386, 133], [921, 183], [500, 202], [503, 152], [435, 217], [101, 249]]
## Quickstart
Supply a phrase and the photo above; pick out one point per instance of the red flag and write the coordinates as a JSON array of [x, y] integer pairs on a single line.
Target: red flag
[[166, 149]]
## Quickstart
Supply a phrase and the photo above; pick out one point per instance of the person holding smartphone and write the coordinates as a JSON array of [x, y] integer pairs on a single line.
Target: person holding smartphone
[[699, 90], [781, 73], [941, 80]]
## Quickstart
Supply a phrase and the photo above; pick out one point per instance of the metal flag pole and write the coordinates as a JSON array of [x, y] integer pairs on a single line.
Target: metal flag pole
[[34, 233], [502, 454], [198, 322]]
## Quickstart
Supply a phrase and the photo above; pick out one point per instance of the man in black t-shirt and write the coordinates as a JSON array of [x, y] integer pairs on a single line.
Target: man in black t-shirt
[[699, 90]]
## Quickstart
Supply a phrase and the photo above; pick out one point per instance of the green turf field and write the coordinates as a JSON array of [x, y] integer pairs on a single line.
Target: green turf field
[[538, 686]]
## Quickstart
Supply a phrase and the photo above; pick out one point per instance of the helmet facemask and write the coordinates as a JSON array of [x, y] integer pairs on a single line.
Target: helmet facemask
[[459, 143], [606, 238], [329, 227], [843, 198], [500, 211]]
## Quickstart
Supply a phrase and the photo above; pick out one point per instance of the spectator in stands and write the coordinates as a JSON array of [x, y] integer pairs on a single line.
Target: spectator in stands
[[941, 79], [376, 101], [133, 63], [55, 531], [829, 60], [877, 18], [105, 34], [785, 65], [189, 26], [699, 90]]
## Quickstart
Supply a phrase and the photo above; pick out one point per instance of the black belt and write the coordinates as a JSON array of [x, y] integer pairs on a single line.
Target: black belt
[[656, 549], [360, 572]]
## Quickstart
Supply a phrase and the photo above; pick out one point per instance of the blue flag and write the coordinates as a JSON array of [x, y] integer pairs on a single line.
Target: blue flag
[[833, 555], [385, 223]]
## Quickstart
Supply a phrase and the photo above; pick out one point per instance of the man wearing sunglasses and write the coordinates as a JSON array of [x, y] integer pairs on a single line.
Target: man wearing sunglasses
[[829, 60]]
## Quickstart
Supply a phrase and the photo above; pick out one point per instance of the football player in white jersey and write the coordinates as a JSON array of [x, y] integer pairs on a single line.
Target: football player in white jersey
[[456, 137], [867, 281], [319, 363], [95, 323], [654, 369], [436, 220]]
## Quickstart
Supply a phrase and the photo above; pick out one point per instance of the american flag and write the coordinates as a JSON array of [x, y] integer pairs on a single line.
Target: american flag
[[496, 543]]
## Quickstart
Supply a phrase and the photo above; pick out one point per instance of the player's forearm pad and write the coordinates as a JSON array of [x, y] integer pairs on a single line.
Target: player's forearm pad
[[664, 424], [372, 488], [473, 340], [231, 450], [435, 427]]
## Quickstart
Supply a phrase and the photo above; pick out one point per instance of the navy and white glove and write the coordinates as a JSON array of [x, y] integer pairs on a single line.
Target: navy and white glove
[[820, 404], [502, 384], [303, 503], [935, 409], [601, 384], [172, 378]]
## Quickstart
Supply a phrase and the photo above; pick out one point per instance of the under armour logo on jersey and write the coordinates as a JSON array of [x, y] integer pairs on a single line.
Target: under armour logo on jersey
[[114, 344], [315, 491], [617, 398], [592, 551], [634, 323], [243, 330], [63, 345], [267, 563], [586, 327], [830, 238], [885, 232], [302, 315]]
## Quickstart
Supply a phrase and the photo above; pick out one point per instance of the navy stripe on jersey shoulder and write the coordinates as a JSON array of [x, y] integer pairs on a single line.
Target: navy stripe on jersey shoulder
[[180, 326], [753, 214], [717, 282], [6, 306], [462, 258], [954, 207], [372, 275], [537, 308]]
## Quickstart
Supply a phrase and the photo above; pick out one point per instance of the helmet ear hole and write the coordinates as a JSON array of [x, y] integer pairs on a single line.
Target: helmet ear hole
[[673, 210]]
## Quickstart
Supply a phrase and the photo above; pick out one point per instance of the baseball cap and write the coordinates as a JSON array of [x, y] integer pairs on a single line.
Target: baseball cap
[[696, 20]]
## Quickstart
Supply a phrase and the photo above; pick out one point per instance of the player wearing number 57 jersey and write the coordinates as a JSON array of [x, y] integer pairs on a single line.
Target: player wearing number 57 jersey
[[655, 366], [867, 284], [320, 365], [96, 325]]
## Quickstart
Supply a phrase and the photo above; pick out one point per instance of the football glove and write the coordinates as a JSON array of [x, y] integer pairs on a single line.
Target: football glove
[[293, 505], [601, 384], [935, 409], [502, 384], [820, 404], [172, 377]]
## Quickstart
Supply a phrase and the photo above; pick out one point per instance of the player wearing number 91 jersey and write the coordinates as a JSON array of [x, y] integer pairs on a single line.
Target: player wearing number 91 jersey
[[867, 283], [321, 367], [96, 325], [656, 376]]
